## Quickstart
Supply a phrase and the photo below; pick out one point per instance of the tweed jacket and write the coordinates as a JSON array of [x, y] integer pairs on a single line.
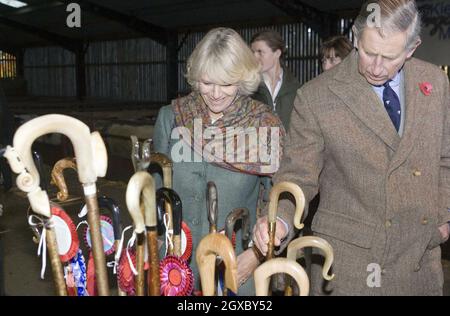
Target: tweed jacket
[[382, 196]]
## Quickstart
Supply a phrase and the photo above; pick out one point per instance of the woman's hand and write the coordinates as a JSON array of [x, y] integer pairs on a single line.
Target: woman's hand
[[247, 262]]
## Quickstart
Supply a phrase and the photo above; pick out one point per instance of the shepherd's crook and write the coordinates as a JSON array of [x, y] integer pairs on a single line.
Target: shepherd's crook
[[310, 241], [58, 176], [212, 206], [273, 208], [210, 246], [92, 160], [230, 222], [142, 183], [280, 265]]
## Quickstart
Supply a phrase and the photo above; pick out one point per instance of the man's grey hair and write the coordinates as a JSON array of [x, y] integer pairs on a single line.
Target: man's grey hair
[[395, 16]]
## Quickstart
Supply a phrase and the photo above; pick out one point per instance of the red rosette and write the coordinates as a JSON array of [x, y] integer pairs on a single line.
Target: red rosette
[[107, 231], [186, 242], [176, 277], [125, 275], [66, 234], [90, 275]]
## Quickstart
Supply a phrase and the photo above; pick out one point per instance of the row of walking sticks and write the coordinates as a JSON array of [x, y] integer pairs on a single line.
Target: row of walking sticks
[[141, 199]]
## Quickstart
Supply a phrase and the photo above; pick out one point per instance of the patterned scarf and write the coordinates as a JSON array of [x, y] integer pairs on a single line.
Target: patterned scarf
[[247, 138]]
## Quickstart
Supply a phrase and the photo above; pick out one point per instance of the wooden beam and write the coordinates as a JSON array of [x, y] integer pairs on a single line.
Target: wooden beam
[[325, 24], [65, 42], [157, 33]]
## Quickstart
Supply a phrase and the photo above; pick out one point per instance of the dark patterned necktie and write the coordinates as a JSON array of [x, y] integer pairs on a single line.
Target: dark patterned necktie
[[392, 104]]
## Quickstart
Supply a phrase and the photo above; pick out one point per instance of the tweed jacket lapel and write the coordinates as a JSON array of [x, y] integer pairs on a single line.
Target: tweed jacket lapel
[[416, 107], [363, 101]]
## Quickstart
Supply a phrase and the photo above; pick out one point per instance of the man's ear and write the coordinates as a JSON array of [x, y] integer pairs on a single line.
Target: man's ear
[[411, 52]]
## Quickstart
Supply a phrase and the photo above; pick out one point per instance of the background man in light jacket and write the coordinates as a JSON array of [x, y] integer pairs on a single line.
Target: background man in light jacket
[[373, 136]]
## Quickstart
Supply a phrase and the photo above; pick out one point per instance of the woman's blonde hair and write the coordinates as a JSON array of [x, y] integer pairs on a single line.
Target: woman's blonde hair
[[225, 58]]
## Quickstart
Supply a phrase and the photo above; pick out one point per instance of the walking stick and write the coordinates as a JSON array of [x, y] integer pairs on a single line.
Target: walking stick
[[57, 176], [280, 265], [169, 197], [91, 156], [230, 222], [140, 154], [142, 183], [111, 205], [273, 208], [166, 165], [212, 206], [176, 276], [310, 241], [210, 246]]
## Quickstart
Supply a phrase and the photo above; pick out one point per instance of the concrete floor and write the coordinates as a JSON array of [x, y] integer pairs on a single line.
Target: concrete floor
[[21, 264]]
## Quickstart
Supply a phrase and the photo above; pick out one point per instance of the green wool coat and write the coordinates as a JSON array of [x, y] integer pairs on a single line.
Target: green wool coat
[[235, 190], [285, 98]]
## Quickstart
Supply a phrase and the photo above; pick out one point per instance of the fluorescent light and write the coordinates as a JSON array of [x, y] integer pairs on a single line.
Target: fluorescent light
[[13, 3]]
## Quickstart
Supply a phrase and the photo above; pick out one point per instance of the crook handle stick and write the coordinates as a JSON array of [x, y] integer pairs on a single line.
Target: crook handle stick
[[168, 197], [280, 265], [212, 206], [58, 176], [273, 207], [111, 205], [142, 183], [210, 246], [91, 156], [230, 222], [310, 241], [166, 165]]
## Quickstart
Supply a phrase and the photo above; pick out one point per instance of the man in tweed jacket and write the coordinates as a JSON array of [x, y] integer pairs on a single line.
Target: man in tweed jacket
[[384, 193]]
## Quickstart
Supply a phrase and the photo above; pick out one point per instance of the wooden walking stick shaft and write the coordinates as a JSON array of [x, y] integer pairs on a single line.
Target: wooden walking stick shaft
[[140, 253], [97, 245], [57, 269], [271, 244], [154, 288]]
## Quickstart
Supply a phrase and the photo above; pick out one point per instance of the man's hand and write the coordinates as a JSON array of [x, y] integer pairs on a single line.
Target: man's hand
[[261, 234], [445, 232], [247, 262]]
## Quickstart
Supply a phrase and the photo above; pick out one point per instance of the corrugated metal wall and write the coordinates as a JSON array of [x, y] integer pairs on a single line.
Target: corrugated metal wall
[[50, 71], [131, 69], [135, 69]]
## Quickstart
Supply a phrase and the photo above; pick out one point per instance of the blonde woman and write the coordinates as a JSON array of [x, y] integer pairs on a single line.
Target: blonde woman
[[201, 132]]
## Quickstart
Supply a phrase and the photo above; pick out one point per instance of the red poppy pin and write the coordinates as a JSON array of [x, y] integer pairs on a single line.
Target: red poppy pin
[[426, 88]]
